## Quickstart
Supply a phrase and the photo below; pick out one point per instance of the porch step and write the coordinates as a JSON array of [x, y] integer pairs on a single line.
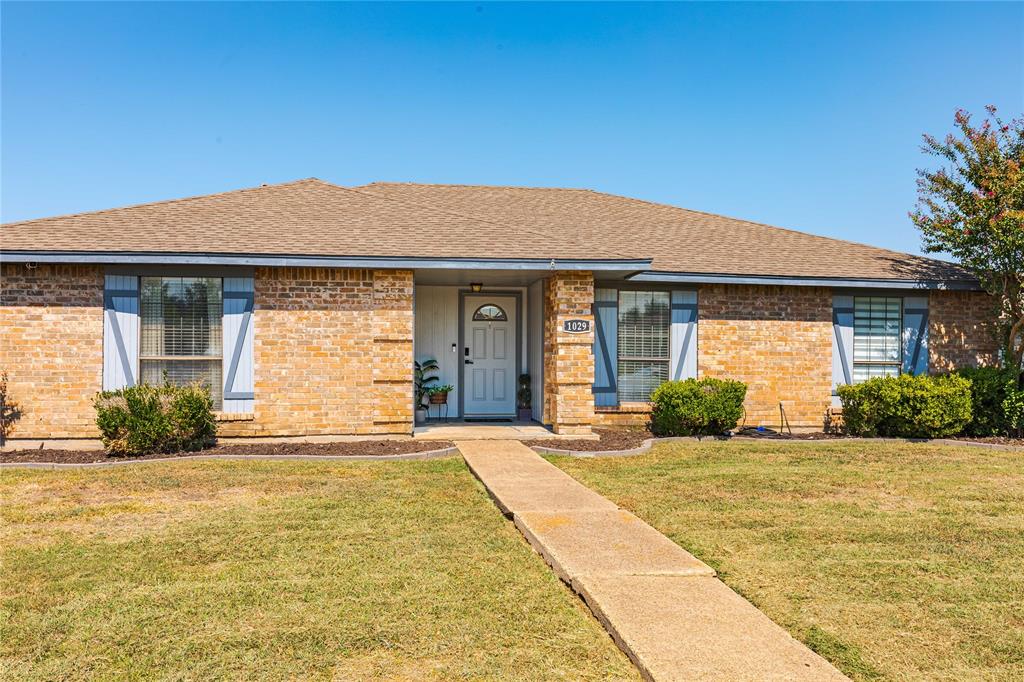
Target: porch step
[[488, 431]]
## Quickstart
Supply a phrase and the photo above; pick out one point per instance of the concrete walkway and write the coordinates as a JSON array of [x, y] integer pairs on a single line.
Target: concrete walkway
[[661, 605]]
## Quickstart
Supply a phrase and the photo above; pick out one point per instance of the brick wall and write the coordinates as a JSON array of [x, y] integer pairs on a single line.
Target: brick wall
[[776, 339], [51, 346], [333, 352], [959, 330], [624, 415], [568, 358], [333, 349]]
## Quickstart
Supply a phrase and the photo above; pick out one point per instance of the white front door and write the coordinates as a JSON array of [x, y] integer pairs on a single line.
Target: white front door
[[489, 372]]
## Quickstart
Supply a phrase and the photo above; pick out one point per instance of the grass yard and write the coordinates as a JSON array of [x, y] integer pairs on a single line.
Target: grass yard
[[892, 561], [271, 570]]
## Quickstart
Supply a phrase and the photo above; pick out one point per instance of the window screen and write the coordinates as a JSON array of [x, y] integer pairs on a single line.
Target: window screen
[[877, 344], [181, 332], [643, 338]]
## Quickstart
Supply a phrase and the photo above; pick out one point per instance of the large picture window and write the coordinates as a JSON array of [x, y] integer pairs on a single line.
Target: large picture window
[[181, 332], [877, 344], [643, 342]]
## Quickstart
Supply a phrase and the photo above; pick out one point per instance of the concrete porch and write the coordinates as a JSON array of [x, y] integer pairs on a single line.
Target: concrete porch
[[498, 430]]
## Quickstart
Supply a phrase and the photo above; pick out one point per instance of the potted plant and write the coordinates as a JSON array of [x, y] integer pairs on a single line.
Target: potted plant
[[422, 377], [524, 397], [438, 395]]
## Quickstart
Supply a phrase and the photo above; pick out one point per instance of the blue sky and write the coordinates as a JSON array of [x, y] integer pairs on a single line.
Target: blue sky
[[806, 116]]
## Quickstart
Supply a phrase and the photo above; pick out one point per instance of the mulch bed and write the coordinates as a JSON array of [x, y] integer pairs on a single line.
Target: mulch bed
[[344, 449], [610, 439]]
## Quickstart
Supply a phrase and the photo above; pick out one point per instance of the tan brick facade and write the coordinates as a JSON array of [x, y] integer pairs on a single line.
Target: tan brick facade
[[778, 340], [333, 352], [959, 331], [625, 415], [51, 346], [568, 358]]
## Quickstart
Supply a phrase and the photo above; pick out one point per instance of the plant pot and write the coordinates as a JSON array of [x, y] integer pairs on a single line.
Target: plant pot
[[525, 414], [439, 399], [421, 415]]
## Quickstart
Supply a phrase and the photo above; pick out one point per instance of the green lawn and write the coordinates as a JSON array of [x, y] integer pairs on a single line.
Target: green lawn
[[271, 570], [892, 561]]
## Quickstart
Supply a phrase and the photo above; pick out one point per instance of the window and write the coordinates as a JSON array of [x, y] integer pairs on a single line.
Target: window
[[643, 339], [877, 343], [180, 321], [489, 313]]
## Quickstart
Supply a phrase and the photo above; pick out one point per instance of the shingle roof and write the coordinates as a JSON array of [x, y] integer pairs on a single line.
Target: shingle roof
[[316, 218], [678, 239], [307, 217]]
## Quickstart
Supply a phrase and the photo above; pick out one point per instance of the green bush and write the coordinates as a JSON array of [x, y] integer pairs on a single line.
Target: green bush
[[708, 407], [990, 388], [145, 419], [907, 406], [1013, 410]]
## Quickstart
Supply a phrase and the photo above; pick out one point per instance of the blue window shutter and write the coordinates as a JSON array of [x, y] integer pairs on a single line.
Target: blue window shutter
[[842, 341], [684, 335], [915, 335], [239, 375], [120, 331], [606, 346]]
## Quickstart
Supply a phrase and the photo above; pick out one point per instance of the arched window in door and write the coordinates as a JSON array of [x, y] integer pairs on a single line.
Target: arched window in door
[[490, 313]]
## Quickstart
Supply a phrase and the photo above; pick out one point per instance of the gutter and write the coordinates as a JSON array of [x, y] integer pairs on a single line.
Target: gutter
[[834, 282], [364, 262]]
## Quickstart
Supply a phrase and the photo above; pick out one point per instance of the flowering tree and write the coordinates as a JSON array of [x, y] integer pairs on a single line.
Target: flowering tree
[[974, 209]]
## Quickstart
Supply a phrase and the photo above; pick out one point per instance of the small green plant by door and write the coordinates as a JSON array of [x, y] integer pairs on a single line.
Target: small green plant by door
[[423, 376]]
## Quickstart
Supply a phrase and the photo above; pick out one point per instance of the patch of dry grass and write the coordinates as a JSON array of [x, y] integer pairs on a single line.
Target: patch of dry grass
[[894, 561], [271, 570]]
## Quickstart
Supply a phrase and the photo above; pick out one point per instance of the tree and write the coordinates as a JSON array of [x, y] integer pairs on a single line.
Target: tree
[[973, 209]]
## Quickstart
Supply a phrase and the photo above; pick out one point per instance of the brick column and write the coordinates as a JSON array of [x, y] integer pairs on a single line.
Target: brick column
[[568, 358], [392, 351]]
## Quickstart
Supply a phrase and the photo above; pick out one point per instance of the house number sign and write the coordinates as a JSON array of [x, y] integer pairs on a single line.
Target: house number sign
[[576, 326]]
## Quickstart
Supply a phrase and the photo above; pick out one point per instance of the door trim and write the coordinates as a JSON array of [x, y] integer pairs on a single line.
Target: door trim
[[516, 335]]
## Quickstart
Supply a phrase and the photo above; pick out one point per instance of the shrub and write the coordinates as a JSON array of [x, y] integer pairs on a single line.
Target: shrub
[[907, 406], [1013, 409], [697, 408], [990, 388], [146, 419], [10, 411]]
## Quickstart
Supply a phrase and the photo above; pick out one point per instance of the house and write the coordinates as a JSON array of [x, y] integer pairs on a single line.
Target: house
[[303, 305]]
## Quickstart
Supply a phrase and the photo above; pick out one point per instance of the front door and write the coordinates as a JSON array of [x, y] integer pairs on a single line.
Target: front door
[[489, 373]]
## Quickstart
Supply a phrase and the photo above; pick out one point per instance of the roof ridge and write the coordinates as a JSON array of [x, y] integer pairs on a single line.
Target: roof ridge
[[162, 202], [472, 186], [360, 190]]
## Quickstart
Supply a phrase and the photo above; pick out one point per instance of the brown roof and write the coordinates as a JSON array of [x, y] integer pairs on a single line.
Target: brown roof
[[678, 239], [307, 217], [315, 218]]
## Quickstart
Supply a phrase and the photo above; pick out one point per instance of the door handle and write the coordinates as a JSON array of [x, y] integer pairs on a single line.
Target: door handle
[[469, 362]]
